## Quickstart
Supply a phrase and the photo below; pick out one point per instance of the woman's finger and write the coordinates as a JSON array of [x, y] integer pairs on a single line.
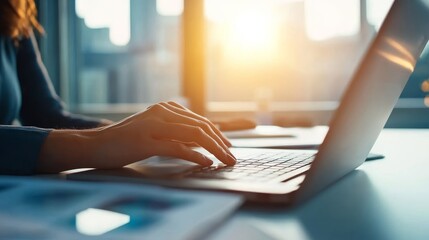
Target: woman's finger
[[181, 109], [178, 150], [186, 133], [179, 117]]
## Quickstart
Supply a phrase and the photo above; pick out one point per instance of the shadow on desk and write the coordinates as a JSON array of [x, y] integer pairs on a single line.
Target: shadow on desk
[[350, 209]]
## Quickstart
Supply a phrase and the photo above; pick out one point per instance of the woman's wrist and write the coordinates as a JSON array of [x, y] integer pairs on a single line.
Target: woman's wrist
[[69, 149]]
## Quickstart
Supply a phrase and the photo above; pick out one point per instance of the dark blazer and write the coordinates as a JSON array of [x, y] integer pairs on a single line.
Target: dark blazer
[[27, 95]]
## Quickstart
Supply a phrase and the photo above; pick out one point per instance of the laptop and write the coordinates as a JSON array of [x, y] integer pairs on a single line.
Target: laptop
[[292, 176]]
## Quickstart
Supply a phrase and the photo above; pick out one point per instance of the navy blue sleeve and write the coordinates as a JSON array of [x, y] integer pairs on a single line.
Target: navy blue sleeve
[[20, 149], [41, 107]]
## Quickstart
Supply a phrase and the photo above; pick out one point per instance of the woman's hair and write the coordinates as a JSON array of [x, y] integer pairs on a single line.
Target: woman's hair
[[18, 18]]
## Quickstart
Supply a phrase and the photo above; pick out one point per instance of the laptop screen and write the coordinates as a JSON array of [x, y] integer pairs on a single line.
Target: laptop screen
[[372, 94]]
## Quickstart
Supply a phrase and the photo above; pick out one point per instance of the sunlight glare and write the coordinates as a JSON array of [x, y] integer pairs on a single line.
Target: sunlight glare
[[252, 31], [114, 14], [401, 49], [248, 28], [220, 10], [94, 222], [404, 63], [401, 57], [169, 7]]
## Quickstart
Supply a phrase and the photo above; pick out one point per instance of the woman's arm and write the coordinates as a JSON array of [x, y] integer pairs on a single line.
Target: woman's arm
[[165, 129], [41, 107], [20, 149]]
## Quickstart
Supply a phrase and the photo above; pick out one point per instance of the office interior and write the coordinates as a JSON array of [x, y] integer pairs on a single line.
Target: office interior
[[275, 62]]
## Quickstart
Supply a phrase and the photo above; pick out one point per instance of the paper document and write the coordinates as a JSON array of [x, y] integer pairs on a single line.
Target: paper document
[[261, 131], [31, 208], [278, 137]]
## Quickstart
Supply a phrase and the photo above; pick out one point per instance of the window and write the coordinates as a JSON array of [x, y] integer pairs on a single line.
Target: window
[[281, 51], [332, 18], [377, 11], [126, 52], [282, 56], [114, 18]]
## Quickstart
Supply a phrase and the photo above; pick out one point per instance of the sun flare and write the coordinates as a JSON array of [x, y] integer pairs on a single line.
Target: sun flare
[[251, 36], [252, 31]]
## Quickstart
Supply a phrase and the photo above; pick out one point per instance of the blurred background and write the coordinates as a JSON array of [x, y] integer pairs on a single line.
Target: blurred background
[[284, 62]]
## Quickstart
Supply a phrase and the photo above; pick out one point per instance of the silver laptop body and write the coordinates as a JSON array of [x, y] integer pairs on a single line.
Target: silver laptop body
[[362, 114]]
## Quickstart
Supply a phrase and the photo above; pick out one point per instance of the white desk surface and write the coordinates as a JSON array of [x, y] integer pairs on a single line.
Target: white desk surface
[[382, 199]]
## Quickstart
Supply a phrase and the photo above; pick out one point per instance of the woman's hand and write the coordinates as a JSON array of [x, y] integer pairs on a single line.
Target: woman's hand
[[164, 129]]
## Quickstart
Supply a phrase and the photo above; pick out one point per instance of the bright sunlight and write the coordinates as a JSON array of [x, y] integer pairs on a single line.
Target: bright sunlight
[[252, 31], [111, 14], [253, 27], [248, 28]]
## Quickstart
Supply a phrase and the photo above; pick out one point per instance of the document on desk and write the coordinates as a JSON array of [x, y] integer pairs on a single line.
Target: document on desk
[[32, 208], [278, 137]]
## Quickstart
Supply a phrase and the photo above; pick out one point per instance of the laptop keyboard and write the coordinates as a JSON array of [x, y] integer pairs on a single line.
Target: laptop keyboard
[[267, 166]]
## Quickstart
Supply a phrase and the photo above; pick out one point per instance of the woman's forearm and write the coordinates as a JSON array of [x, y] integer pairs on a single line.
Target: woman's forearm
[[67, 149]]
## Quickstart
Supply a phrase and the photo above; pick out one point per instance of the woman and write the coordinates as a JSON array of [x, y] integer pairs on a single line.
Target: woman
[[52, 140]]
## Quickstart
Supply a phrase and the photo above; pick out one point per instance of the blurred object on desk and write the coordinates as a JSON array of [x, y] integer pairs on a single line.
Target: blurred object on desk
[[290, 121], [47, 209], [278, 137], [235, 124], [261, 131]]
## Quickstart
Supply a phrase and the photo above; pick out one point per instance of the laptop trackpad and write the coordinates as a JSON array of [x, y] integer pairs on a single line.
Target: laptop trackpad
[[163, 166]]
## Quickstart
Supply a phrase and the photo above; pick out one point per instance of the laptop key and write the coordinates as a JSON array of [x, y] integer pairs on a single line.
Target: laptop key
[[259, 167]]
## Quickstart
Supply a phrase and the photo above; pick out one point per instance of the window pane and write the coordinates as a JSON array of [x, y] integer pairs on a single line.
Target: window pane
[[280, 50], [326, 19], [128, 51], [377, 11]]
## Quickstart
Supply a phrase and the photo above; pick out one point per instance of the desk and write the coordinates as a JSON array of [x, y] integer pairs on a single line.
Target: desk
[[383, 199]]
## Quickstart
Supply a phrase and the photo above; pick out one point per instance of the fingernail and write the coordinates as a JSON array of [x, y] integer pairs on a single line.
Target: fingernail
[[208, 161], [231, 155], [232, 159]]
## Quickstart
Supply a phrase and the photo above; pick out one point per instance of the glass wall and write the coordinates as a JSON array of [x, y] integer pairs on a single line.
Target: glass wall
[[128, 51], [287, 52]]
